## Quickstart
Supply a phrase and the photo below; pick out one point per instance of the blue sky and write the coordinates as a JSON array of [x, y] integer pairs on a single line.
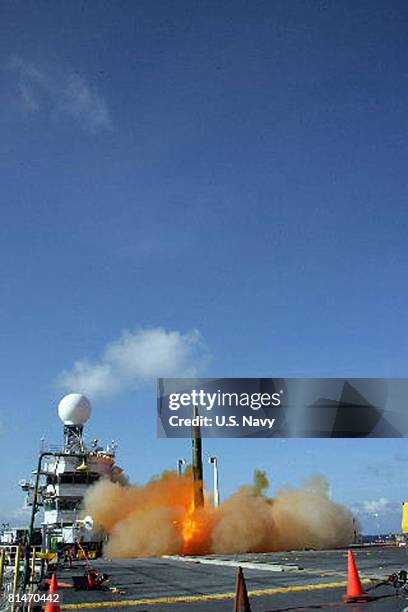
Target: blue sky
[[233, 168]]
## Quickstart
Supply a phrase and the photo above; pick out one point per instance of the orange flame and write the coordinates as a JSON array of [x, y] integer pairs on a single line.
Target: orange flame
[[196, 527], [189, 530]]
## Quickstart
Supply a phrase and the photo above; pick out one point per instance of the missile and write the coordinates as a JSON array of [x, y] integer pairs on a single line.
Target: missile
[[197, 461]]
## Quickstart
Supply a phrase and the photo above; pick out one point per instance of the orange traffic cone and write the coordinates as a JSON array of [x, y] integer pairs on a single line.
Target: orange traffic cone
[[53, 604], [355, 591], [241, 603]]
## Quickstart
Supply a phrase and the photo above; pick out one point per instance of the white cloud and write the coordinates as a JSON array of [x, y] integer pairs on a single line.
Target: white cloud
[[16, 518], [376, 506], [136, 358], [61, 94]]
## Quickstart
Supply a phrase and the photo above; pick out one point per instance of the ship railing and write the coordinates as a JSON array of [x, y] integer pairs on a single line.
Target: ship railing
[[10, 587], [11, 549], [7, 590]]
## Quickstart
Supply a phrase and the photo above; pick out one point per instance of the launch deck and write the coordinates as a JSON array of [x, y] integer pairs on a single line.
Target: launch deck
[[276, 582]]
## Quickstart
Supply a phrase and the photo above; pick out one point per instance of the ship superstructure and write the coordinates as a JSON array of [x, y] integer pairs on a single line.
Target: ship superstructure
[[65, 479]]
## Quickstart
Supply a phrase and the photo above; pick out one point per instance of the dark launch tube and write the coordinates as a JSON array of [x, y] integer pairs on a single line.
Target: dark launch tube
[[197, 463]]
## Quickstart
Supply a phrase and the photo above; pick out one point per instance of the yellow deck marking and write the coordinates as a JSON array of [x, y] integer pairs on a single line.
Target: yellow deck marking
[[210, 597]]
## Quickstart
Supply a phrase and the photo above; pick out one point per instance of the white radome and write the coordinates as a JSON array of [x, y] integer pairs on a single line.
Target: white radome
[[74, 409]]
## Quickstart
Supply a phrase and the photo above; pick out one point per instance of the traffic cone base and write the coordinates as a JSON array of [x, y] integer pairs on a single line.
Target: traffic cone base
[[359, 599], [355, 593]]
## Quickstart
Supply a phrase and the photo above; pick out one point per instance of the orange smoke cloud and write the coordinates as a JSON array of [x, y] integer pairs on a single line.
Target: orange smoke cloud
[[159, 519]]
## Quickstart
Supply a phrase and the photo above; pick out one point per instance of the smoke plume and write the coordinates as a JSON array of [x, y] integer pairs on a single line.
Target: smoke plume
[[159, 518]]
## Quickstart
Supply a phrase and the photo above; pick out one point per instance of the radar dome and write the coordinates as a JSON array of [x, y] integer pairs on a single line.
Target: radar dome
[[74, 409]]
